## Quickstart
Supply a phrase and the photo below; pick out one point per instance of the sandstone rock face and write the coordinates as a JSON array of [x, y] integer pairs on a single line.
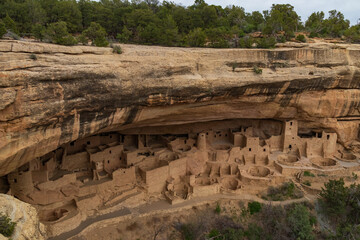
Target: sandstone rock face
[[25, 216], [73, 92]]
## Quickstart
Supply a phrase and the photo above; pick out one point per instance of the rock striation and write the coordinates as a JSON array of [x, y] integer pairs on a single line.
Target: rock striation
[[51, 95]]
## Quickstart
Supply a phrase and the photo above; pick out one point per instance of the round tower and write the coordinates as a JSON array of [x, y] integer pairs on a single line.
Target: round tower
[[201, 141]]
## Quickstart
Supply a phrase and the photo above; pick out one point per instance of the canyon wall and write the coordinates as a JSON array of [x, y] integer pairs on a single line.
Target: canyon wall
[[51, 95]]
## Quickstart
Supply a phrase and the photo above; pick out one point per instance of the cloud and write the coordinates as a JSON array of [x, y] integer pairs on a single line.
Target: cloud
[[350, 8]]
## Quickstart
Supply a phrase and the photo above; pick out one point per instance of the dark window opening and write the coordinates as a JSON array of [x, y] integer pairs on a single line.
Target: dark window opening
[[225, 135], [328, 137], [110, 136], [249, 149], [219, 135], [207, 133], [290, 146], [72, 143], [110, 151], [88, 143], [290, 123], [264, 150], [15, 180], [185, 141], [108, 161]]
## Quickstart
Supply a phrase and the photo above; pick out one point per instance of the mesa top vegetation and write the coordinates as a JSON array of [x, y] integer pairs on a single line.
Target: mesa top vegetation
[[150, 22]]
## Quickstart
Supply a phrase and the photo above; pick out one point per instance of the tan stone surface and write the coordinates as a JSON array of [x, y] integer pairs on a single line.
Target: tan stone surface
[[25, 216], [73, 92]]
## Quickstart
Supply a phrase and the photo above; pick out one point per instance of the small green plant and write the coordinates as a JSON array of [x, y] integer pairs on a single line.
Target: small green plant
[[234, 67], [117, 49], [254, 207], [218, 208], [257, 70], [301, 38], [33, 57], [355, 176], [7, 226], [308, 174], [214, 234], [313, 220], [307, 183]]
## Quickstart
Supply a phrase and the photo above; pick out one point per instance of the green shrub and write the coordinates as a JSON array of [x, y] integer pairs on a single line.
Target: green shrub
[[217, 209], [10, 24], [83, 39], [97, 34], [233, 65], [33, 57], [68, 41], [101, 42], [215, 235], [354, 176], [2, 29], [334, 197], [246, 42], [124, 36], [313, 35], [313, 220], [58, 33], [299, 223], [117, 49], [353, 34], [281, 39], [308, 174], [267, 42], [257, 70], [38, 31], [196, 38], [7, 227], [301, 38], [254, 207]]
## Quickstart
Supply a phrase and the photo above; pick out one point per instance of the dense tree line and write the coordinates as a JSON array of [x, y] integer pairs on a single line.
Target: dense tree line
[[154, 23]]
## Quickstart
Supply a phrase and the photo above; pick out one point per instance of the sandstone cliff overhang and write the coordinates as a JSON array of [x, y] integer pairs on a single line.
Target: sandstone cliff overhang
[[73, 92]]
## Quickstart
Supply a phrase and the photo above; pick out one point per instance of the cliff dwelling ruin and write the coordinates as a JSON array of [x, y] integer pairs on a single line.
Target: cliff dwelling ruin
[[87, 134], [100, 172]]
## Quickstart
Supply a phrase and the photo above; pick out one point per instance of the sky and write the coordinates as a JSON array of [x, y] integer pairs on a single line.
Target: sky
[[304, 8]]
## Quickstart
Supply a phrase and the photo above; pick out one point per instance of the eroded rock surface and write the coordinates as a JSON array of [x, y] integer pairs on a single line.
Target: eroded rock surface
[[73, 92], [25, 216]]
